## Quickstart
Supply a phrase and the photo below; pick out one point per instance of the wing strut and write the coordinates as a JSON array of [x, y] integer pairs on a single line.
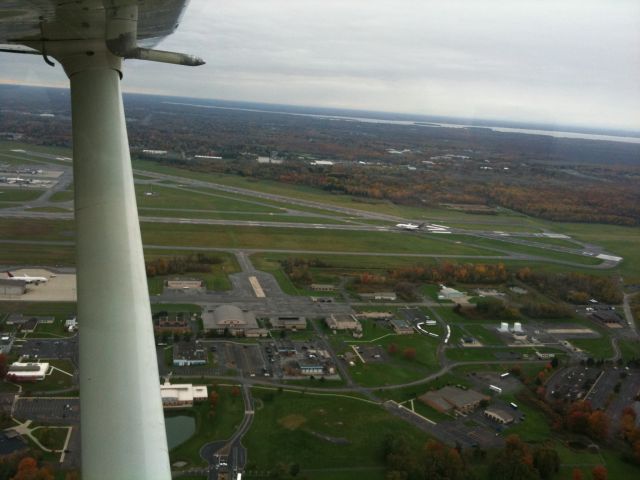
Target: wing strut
[[122, 422]]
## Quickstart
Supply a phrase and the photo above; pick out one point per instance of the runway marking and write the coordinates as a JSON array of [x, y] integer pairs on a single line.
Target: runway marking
[[257, 289]]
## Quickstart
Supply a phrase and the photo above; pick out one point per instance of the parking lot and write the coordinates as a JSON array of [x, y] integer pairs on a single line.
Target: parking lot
[[56, 411], [49, 348], [572, 383]]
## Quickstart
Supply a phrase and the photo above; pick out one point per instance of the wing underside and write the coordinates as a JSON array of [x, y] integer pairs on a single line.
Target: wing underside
[[29, 21]]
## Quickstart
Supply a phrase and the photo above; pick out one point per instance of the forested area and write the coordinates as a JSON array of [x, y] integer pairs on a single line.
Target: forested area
[[412, 164]]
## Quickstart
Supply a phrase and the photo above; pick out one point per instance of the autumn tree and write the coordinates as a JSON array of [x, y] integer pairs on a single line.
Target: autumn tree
[[4, 368], [599, 472], [409, 353], [546, 461], [514, 462], [213, 399], [28, 470]]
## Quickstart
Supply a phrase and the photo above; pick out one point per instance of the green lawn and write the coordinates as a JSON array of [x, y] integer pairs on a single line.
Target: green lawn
[[51, 437], [622, 241], [63, 196], [167, 197], [486, 336], [398, 369], [597, 347], [60, 310], [525, 249], [310, 429], [299, 239], [18, 194]]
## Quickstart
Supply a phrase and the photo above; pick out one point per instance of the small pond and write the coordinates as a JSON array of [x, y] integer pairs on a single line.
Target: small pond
[[179, 429]]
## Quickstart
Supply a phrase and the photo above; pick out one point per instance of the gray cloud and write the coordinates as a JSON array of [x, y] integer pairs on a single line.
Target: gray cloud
[[564, 61]]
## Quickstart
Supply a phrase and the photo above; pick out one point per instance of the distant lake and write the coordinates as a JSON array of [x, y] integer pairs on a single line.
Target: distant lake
[[179, 429]]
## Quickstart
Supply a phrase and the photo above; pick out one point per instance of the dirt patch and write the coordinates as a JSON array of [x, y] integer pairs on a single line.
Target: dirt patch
[[292, 422]]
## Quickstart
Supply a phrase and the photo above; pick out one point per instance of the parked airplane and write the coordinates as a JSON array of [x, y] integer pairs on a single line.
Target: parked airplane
[[27, 278], [409, 226]]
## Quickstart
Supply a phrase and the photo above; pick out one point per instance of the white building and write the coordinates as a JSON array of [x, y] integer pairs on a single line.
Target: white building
[[71, 325], [448, 293], [182, 395], [27, 372]]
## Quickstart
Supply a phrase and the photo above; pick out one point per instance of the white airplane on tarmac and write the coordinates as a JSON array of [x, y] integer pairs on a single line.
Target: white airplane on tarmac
[[409, 226], [27, 278]]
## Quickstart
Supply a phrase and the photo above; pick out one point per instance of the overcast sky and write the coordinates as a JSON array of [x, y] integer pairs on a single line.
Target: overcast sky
[[573, 62]]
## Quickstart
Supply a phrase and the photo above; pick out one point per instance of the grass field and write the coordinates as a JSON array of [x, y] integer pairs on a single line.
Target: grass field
[[525, 249], [60, 310], [51, 437], [63, 196], [622, 241], [308, 430], [165, 197], [397, 368], [597, 347], [16, 195]]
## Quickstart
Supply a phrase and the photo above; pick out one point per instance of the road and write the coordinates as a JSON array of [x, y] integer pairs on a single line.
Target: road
[[628, 314]]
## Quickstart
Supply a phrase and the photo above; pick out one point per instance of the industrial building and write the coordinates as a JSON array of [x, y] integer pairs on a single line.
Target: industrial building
[[401, 327], [344, 322], [182, 395], [498, 415], [177, 322], [12, 287], [229, 319], [292, 323], [453, 399], [388, 296], [448, 293], [27, 372], [193, 285]]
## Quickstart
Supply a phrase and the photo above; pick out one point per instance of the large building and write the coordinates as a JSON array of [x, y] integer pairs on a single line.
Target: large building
[[12, 287], [498, 415], [27, 372], [389, 296], [338, 321], [293, 323], [453, 399], [229, 319], [401, 327], [182, 395], [170, 322]]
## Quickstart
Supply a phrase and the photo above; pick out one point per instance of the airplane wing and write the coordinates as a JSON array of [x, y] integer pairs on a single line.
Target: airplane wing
[[28, 20]]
